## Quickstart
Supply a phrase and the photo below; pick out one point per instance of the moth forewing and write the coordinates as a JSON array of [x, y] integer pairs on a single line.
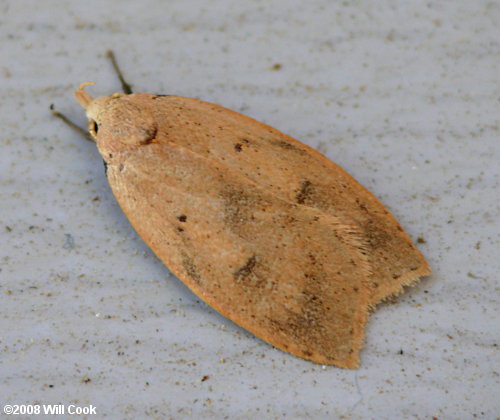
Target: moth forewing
[[263, 228]]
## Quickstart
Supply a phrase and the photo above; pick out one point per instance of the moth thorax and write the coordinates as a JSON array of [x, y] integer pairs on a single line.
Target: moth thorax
[[119, 121]]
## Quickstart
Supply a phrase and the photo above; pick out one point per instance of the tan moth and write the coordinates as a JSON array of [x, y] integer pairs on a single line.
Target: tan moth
[[263, 228]]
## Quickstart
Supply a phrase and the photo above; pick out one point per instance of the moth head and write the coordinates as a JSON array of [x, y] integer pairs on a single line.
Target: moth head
[[117, 119]]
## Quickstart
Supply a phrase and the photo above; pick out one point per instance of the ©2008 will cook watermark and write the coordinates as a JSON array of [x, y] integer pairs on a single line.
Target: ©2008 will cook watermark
[[52, 409]]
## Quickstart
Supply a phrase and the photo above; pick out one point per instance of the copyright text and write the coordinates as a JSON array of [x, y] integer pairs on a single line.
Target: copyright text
[[53, 409]]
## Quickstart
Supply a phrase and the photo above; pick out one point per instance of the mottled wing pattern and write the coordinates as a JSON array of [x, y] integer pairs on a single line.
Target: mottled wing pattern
[[290, 274], [297, 173], [263, 228]]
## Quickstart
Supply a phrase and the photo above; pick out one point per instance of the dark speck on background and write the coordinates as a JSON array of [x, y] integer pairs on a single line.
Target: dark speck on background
[[70, 242]]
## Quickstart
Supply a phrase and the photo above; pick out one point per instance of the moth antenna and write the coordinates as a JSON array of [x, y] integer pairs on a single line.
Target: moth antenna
[[70, 123], [127, 88]]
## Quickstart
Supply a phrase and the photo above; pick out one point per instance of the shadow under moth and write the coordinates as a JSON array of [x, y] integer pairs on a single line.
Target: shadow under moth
[[263, 228]]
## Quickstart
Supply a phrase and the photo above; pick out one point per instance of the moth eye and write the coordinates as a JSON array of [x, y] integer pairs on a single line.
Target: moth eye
[[93, 127]]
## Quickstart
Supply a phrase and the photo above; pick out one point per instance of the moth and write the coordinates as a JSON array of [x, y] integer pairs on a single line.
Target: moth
[[263, 228]]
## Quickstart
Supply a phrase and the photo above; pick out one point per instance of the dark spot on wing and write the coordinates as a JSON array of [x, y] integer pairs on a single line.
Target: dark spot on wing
[[286, 146], [182, 218], [238, 207], [304, 193], [247, 269], [305, 326], [238, 147], [376, 237], [190, 267]]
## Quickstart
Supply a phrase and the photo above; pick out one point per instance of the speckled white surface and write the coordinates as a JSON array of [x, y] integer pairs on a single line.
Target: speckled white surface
[[404, 95]]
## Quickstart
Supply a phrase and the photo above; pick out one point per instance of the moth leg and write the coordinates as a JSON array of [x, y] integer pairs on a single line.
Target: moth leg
[[70, 123], [127, 88]]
